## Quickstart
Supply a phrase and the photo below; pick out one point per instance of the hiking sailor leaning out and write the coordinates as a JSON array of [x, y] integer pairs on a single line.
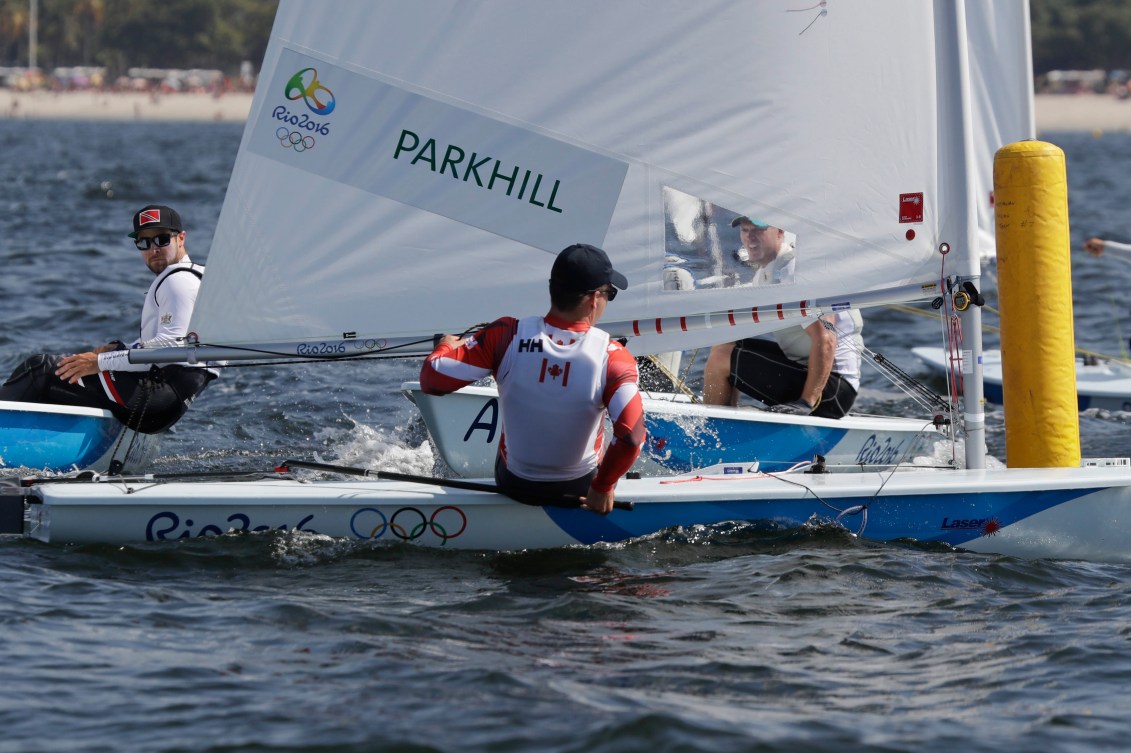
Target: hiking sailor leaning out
[[146, 398], [557, 375]]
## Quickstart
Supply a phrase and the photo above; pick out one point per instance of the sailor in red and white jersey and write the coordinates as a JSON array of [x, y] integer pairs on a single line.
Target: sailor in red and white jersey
[[557, 375]]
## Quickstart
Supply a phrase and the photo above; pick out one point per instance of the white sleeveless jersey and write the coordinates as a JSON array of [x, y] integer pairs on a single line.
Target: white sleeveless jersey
[[796, 343], [562, 372], [165, 315]]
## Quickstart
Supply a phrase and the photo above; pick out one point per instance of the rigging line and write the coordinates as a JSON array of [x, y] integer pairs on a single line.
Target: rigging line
[[686, 372], [840, 512], [678, 382], [952, 339], [903, 308], [473, 328], [892, 471], [116, 463], [296, 362], [90, 477], [821, 13], [912, 387]]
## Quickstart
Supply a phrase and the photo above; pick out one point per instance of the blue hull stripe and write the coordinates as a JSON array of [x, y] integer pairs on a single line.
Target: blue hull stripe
[[953, 519], [712, 441]]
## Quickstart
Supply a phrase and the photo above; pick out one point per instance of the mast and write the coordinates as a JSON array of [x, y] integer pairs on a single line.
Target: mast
[[959, 223]]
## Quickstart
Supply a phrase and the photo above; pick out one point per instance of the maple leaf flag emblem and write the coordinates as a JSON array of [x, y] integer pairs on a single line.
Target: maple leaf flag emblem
[[554, 372]]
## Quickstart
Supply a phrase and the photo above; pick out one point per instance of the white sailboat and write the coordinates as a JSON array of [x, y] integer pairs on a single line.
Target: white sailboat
[[684, 434], [1101, 383], [412, 168]]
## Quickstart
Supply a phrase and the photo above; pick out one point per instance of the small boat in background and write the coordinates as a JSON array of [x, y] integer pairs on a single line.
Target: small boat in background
[[1100, 383]]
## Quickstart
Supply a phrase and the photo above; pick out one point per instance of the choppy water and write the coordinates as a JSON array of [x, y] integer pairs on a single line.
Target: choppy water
[[720, 639]]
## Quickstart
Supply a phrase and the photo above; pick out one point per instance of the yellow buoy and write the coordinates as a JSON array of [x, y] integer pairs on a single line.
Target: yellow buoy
[[1042, 424]]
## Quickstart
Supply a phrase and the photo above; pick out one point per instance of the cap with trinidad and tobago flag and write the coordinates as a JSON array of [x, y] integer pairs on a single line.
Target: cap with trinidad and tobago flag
[[156, 216]]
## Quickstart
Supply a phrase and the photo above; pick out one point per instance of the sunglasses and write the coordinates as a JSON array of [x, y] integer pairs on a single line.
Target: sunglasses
[[161, 240], [610, 293]]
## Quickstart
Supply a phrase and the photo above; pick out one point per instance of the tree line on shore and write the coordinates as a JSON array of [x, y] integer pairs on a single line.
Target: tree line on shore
[[223, 34], [1078, 35], [121, 34]]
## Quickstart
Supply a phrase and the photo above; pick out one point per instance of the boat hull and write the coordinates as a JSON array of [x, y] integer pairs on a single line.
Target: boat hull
[[464, 427], [64, 438], [1063, 513], [1102, 384]]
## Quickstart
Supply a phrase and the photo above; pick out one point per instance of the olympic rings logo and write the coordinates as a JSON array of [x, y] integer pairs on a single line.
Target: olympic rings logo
[[408, 523], [304, 85], [289, 139]]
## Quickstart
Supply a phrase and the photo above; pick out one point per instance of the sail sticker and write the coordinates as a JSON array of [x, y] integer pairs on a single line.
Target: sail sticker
[[911, 207], [708, 246], [370, 134], [966, 361]]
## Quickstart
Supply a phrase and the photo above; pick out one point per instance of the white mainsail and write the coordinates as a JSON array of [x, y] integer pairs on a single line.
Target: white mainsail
[[415, 168]]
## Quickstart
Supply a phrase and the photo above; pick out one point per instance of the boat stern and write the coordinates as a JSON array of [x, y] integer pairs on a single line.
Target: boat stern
[[14, 499]]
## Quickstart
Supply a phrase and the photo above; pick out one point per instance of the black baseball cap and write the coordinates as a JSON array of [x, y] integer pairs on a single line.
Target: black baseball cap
[[156, 216], [582, 268]]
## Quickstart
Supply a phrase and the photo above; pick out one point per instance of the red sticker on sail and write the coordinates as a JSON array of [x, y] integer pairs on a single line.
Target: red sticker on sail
[[911, 207]]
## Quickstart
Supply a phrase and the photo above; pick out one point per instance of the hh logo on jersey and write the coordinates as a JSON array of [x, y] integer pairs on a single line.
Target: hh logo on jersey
[[554, 372]]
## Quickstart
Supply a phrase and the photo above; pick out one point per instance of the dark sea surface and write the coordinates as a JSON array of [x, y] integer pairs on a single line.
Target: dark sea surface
[[714, 639]]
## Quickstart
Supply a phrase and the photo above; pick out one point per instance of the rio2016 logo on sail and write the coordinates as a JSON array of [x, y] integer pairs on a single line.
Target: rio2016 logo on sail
[[319, 100]]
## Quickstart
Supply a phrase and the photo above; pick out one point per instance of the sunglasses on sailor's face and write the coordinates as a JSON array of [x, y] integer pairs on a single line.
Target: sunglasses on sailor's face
[[610, 292], [161, 240]]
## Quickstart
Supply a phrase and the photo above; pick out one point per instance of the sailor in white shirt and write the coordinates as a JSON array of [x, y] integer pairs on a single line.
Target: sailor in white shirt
[[145, 397], [804, 370]]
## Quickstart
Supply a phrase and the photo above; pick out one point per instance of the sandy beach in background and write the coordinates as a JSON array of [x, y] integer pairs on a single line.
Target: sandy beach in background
[[1055, 112], [123, 106], [1082, 112]]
